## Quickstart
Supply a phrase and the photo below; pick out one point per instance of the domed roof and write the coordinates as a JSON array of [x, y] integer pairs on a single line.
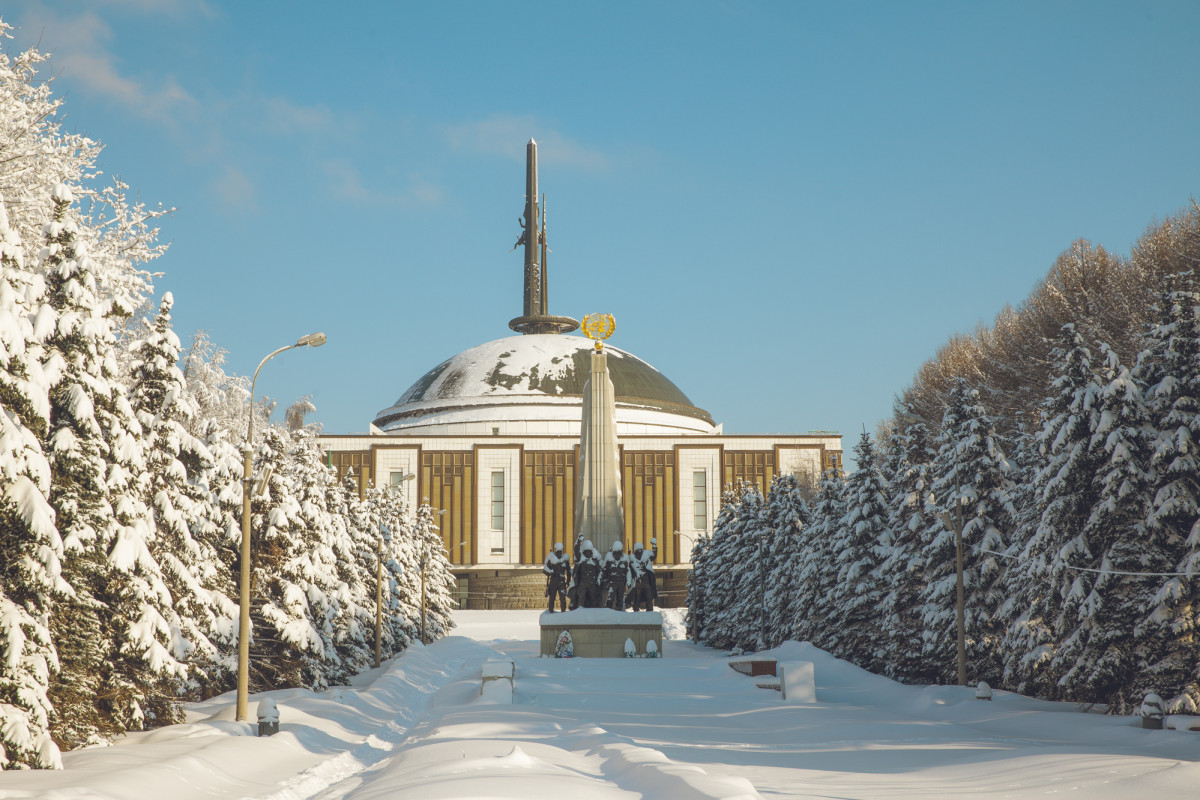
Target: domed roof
[[539, 376]]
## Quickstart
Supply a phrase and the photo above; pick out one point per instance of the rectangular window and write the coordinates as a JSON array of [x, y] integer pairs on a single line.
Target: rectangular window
[[395, 479], [498, 501], [700, 500]]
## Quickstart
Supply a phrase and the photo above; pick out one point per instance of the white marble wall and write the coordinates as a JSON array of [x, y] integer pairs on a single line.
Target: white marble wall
[[507, 541]]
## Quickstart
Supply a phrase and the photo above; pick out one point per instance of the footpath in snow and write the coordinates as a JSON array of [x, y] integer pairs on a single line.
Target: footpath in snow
[[684, 726]]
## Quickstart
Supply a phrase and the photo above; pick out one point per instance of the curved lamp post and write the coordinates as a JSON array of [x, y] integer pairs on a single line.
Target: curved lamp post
[[243, 684]]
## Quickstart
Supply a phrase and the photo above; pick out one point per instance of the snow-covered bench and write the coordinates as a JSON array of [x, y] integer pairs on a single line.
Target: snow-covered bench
[[497, 680]]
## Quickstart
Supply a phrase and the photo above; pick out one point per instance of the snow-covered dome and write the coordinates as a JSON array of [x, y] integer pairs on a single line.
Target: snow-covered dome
[[534, 384]]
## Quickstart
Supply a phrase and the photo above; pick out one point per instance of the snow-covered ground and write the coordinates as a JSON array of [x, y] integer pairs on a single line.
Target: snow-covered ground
[[684, 726]]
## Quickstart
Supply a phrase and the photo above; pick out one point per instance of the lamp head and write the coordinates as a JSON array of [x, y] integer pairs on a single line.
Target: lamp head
[[312, 340]]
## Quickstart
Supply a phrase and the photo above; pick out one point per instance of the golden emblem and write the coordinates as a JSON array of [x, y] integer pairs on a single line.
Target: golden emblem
[[598, 327]]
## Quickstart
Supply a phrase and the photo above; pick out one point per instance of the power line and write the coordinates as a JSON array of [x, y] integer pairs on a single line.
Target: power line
[[1104, 571]]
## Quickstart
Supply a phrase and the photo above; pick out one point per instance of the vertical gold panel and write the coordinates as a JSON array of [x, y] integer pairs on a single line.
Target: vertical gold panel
[[454, 535], [660, 513], [470, 518], [527, 553], [627, 480], [539, 515], [667, 540]]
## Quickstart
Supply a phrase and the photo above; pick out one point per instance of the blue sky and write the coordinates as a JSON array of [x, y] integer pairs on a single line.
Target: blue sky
[[787, 206]]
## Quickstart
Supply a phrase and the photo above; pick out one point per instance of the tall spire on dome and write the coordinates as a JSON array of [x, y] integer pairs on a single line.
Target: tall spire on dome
[[536, 318]]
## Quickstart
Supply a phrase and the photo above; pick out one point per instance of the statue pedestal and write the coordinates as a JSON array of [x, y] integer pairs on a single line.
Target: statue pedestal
[[601, 632]]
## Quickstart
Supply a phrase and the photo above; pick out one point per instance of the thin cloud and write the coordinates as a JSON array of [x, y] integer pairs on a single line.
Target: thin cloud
[[346, 182], [506, 134], [174, 8], [80, 52], [284, 115], [234, 191]]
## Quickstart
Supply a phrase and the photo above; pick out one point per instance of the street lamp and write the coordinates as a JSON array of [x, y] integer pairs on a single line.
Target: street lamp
[[243, 684]]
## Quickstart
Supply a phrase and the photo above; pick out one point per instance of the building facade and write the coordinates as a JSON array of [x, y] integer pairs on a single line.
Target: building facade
[[490, 438]]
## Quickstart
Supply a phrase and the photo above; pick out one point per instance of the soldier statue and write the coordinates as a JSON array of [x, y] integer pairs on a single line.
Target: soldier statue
[[653, 560], [573, 589], [615, 572], [557, 567], [642, 565], [587, 577]]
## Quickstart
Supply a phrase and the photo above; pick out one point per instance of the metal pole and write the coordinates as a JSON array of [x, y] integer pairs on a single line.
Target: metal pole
[[243, 681], [423, 600], [379, 606], [961, 611], [762, 597]]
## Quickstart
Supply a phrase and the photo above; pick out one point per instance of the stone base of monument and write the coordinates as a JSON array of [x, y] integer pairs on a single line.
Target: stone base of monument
[[601, 632]]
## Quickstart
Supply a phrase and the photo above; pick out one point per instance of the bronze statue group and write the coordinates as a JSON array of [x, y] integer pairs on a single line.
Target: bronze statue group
[[617, 581]]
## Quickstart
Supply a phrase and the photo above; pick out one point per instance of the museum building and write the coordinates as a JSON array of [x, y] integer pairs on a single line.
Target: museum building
[[490, 437]]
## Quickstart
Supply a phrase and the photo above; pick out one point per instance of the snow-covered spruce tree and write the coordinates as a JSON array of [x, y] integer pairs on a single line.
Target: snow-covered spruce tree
[[286, 648], [354, 628], [117, 635], [734, 581], [177, 495], [786, 517], [1102, 654], [902, 572], [1064, 491], [697, 608], [422, 558], [860, 543], [971, 484], [315, 563], [717, 581], [1020, 613], [1170, 369], [222, 406], [751, 570], [30, 570], [391, 526], [817, 572]]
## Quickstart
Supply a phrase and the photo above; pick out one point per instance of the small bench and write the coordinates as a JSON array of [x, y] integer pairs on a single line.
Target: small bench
[[496, 670], [752, 666]]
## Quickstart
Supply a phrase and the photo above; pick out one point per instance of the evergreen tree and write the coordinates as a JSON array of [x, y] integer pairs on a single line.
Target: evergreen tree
[[393, 523], [30, 570], [286, 647], [427, 577], [861, 542], [697, 601], [1100, 652], [903, 569], [971, 488], [722, 604], [314, 562], [786, 517], [1064, 491], [1170, 369], [175, 460], [355, 551], [817, 572], [115, 634]]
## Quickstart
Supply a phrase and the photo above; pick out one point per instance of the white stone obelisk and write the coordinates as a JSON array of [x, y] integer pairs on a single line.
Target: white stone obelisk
[[599, 515]]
